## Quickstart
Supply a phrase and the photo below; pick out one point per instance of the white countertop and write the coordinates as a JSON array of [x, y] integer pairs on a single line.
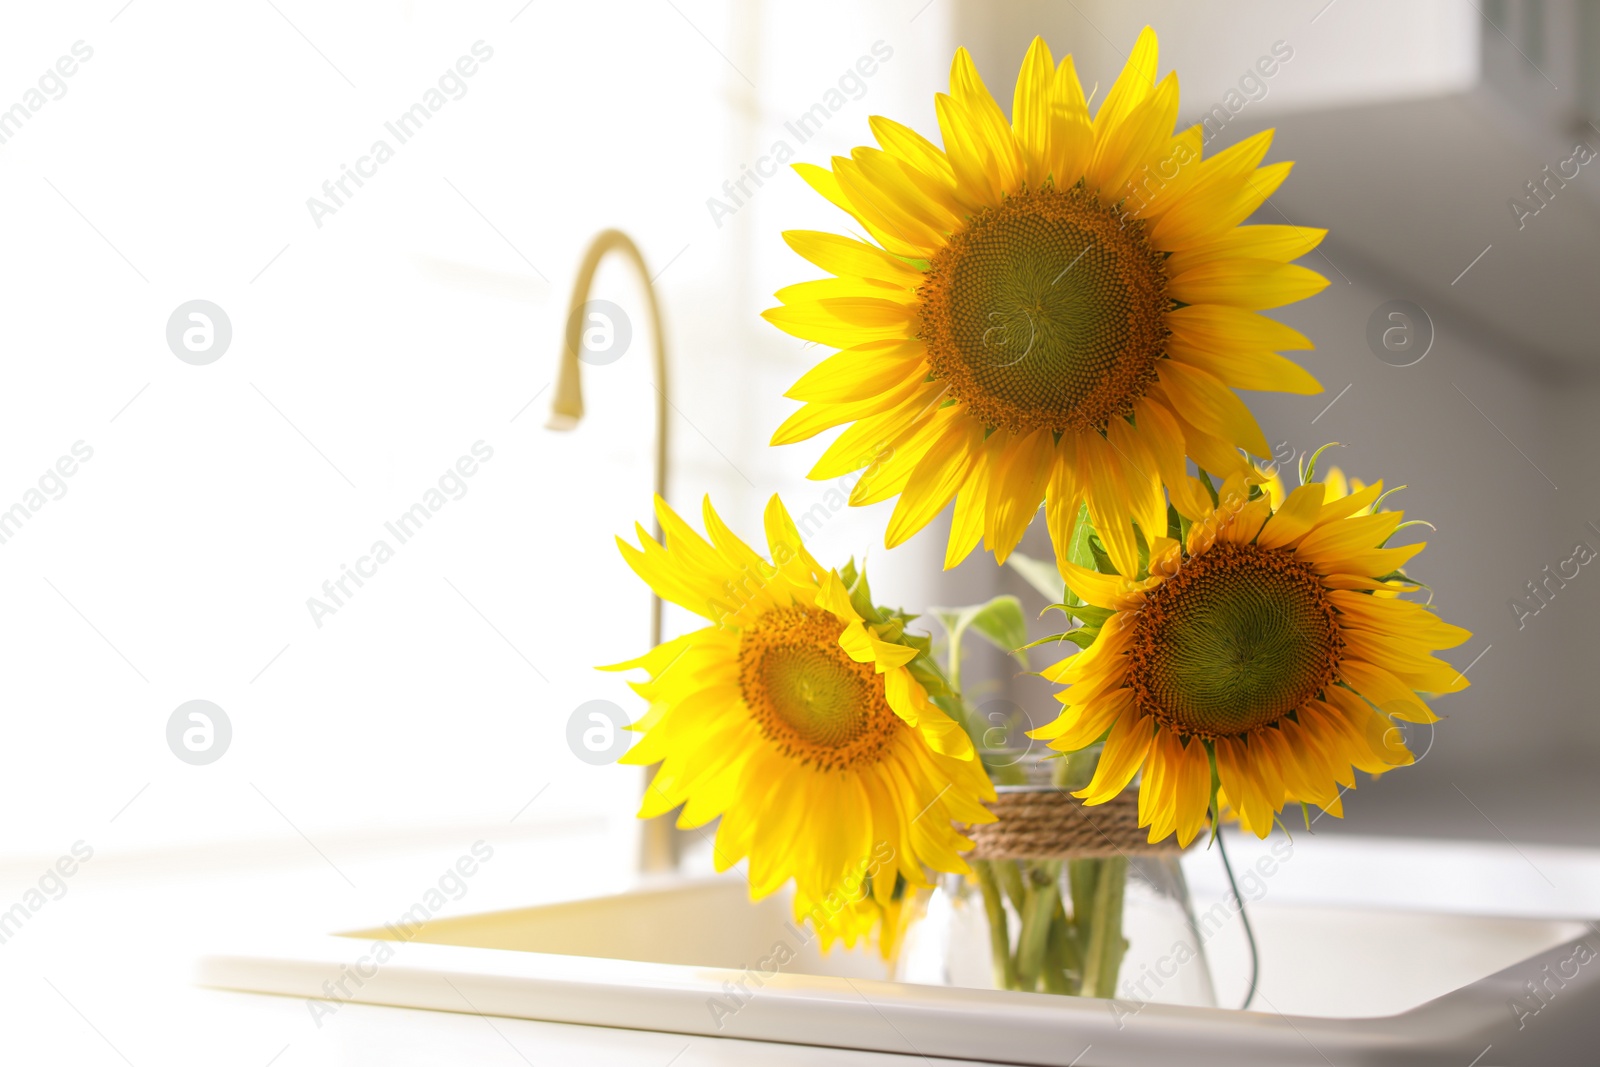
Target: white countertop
[[102, 975]]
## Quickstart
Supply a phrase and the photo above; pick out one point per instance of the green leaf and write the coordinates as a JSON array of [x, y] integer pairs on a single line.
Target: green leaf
[[861, 597], [927, 673], [1000, 620], [920, 642], [1177, 525], [1100, 559], [1083, 637], [1093, 616], [1080, 547], [1041, 575], [1078, 543]]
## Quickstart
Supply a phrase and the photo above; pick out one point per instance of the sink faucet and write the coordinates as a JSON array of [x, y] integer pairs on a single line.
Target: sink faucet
[[661, 842]]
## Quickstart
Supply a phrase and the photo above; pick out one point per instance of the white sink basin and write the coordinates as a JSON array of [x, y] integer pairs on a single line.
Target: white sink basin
[[1358, 986]]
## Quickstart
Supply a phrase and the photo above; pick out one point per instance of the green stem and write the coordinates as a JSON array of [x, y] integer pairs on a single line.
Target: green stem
[[1082, 876], [1064, 964], [1042, 896], [1103, 954], [1010, 879], [1054, 976], [1086, 909], [1116, 944], [1005, 972]]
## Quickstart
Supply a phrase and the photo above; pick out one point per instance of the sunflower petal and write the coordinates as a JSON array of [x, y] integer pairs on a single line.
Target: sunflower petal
[[1030, 110], [935, 480], [1016, 489], [848, 257], [1212, 407], [1291, 521], [1246, 283], [1071, 132], [986, 123], [1126, 748], [1132, 86]]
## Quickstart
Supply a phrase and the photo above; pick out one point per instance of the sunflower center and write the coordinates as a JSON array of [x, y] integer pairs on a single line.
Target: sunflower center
[[810, 699], [1237, 639], [1047, 312]]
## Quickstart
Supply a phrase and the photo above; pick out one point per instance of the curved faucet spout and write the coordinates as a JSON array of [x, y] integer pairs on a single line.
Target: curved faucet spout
[[566, 409], [661, 844]]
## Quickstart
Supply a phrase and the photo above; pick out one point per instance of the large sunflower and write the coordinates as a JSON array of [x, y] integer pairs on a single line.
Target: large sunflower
[[1262, 652], [1054, 308], [796, 716]]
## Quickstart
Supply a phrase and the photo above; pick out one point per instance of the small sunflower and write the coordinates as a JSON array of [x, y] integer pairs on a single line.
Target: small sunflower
[[1260, 659], [1054, 308], [797, 717]]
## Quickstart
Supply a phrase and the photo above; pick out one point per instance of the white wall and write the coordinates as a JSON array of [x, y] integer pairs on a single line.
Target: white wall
[[368, 354]]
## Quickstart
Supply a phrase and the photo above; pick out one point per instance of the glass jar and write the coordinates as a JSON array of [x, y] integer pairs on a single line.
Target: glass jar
[[1108, 917]]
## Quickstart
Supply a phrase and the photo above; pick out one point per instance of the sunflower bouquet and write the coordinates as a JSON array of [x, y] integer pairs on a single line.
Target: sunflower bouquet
[[1050, 311]]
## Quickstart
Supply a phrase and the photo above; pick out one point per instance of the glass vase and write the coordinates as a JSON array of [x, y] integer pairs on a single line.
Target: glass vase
[[1062, 899]]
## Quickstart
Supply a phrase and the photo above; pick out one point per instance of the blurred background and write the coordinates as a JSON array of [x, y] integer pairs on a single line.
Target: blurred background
[[389, 331]]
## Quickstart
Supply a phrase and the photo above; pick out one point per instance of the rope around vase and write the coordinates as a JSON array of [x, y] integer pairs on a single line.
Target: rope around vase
[[1050, 824]]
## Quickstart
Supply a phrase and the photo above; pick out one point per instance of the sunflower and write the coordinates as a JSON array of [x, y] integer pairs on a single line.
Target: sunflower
[[1341, 486], [1256, 664], [1057, 308], [1338, 485], [797, 717], [858, 920]]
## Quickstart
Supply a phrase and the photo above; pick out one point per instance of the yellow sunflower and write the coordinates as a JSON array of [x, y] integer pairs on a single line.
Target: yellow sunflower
[[1054, 308], [797, 717], [858, 920], [1259, 658], [1338, 485], [1341, 486]]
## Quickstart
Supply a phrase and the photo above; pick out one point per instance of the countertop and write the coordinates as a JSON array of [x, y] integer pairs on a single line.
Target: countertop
[[102, 973]]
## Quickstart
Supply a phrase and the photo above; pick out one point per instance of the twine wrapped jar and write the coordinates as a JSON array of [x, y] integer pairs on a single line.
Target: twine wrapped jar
[[1063, 898]]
